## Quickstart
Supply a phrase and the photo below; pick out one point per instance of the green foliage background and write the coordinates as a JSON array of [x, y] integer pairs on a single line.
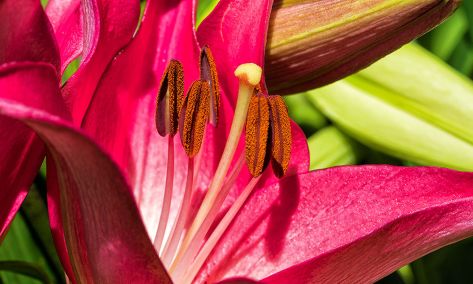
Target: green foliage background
[[27, 253]]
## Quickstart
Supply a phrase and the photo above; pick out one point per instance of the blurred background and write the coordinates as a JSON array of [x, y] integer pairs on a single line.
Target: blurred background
[[399, 111]]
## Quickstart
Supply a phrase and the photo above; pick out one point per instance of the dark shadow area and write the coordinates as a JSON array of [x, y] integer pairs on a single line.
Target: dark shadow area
[[281, 214]]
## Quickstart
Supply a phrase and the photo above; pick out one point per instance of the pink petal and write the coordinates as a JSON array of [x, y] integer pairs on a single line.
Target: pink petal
[[21, 151], [66, 19], [106, 239], [346, 224], [122, 112], [235, 31], [25, 33], [238, 281], [107, 27]]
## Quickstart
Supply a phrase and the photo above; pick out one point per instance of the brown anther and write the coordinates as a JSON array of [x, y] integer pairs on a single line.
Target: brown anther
[[208, 72], [257, 90], [257, 131], [169, 101], [281, 135], [194, 117]]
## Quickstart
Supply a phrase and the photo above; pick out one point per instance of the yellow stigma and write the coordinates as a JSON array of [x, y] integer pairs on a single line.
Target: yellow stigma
[[250, 73]]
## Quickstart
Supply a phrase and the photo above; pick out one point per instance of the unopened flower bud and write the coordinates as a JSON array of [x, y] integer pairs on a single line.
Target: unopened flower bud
[[313, 43]]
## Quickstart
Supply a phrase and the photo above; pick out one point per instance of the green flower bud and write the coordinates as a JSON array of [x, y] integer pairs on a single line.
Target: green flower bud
[[313, 43]]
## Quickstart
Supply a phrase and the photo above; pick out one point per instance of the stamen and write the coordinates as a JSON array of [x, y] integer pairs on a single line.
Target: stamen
[[197, 241], [163, 219], [194, 117], [218, 232], [232, 176], [257, 130], [281, 135], [250, 76], [168, 103], [178, 227], [208, 72]]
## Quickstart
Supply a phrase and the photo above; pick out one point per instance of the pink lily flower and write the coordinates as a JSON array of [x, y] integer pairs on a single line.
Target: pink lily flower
[[108, 166]]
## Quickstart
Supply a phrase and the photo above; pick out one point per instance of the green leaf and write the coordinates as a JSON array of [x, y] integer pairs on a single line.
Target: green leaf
[[442, 40], [19, 245], [35, 212], [468, 7], [329, 147], [426, 87], [462, 57], [29, 240], [410, 105], [203, 10], [71, 69], [304, 113], [24, 268]]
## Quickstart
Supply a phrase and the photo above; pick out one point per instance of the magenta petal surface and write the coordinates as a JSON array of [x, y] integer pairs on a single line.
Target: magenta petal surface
[[345, 224], [107, 26], [121, 116], [235, 31], [106, 240], [21, 151], [238, 281], [25, 33], [66, 18]]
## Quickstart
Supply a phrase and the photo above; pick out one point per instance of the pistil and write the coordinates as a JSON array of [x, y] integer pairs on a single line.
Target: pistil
[[249, 76], [218, 232], [196, 242]]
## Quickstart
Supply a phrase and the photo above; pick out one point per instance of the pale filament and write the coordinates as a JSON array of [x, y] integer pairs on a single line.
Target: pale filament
[[163, 219], [178, 227], [218, 232], [198, 239]]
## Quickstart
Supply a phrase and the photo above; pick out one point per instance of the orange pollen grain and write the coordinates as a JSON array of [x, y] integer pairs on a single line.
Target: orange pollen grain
[[281, 135], [194, 117], [169, 100], [257, 132]]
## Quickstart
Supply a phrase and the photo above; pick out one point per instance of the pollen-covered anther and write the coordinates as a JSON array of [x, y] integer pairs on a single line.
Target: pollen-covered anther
[[169, 100], [208, 72], [257, 132], [280, 135], [194, 117]]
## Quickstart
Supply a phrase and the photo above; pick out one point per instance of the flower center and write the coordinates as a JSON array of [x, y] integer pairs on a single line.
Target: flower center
[[268, 138]]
